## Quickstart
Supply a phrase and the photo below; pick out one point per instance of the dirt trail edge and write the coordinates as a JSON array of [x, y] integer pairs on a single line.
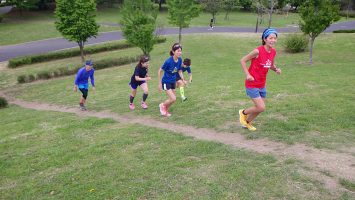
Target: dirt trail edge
[[339, 165]]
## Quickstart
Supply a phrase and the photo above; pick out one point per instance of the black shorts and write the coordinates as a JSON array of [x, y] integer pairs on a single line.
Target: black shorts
[[168, 86], [84, 91]]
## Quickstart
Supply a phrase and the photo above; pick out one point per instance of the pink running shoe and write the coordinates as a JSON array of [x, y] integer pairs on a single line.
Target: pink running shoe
[[131, 106], [144, 105], [167, 114], [162, 109]]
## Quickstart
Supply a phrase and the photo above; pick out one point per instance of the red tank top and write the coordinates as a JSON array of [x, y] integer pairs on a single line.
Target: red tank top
[[259, 67]]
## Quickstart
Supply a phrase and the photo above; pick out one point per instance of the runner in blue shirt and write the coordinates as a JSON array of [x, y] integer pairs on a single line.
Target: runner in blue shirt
[[171, 67], [181, 84], [139, 78], [82, 82]]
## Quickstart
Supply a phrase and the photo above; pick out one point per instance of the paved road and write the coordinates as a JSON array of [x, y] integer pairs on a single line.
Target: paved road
[[55, 44]]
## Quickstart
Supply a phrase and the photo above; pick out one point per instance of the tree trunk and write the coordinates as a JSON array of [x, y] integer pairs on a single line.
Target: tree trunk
[[160, 2], [270, 12], [180, 30], [81, 46], [311, 50], [257, 24]]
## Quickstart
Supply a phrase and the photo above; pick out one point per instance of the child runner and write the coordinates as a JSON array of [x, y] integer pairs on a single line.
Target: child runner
[[140, 78], [181, 84], [81, 82], [262, 59], [171, 67]]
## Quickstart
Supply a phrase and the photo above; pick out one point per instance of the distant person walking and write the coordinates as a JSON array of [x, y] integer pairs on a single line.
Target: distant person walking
[[211, 24], [262, 59], [139, 78], [171, 67], [81, 82]]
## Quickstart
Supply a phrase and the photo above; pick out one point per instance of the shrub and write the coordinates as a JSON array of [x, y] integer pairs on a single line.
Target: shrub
[[3, 102], [21, 79], [1, 18], [43, 75], [344, 31], [295, 43]]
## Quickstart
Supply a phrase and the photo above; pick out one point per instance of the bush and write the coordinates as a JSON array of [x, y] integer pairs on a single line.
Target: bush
[[26, 60], [21, 79], [344, 31], [64, 71], [295, 43], [3, 102]]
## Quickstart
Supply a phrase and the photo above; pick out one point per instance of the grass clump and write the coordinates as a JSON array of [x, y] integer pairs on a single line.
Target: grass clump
[[295, 43]]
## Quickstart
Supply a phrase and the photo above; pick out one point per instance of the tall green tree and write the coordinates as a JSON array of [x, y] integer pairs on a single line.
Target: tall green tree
[[138, 24], [181, 12], [229, 6], [23, 4], [212, 6], [76, 21], [316, 16]]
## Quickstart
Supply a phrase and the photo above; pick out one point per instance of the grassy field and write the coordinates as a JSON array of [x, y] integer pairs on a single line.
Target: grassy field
[[49, 155], [32, 23], [304, 105]]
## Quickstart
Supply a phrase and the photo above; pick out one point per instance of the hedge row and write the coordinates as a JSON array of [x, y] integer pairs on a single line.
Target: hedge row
[[26, 60], [344, 31], [65, 71]]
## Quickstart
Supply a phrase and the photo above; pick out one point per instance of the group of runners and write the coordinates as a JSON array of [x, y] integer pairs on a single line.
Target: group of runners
[[262, 59]]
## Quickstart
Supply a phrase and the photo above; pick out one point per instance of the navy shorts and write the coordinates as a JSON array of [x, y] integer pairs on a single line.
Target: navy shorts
[[256, 92], [134, 85], [168, 86]]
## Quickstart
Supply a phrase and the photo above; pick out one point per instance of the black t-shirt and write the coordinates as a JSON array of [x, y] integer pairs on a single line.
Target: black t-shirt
[[139, 71]]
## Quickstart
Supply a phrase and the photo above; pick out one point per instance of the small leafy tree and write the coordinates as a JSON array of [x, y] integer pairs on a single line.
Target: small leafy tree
[[228, 6], [260, 8], [138, 24], [316, 16], [76, 21], [246, 4], [181, 12], [23, 4], [212, 6]]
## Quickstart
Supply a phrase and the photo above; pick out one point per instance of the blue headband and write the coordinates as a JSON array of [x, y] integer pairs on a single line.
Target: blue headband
[[267, 32]]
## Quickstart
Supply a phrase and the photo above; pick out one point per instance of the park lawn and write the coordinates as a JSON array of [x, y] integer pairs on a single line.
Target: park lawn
[[30, 25], [51, 155], [8, 76], [306, 104]]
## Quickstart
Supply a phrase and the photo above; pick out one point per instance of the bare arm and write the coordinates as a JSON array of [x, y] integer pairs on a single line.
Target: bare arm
[[244, 61], [275, 69]]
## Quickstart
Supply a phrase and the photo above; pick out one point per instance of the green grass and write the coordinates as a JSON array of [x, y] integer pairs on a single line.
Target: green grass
[[28, 27], [304, 105], [50, 155]]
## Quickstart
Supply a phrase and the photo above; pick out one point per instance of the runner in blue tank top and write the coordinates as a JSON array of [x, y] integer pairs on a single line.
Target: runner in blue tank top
[[171, 67]]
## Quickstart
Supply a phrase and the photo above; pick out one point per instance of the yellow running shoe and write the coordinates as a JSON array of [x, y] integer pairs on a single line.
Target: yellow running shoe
[[242, 118], [250, 127]]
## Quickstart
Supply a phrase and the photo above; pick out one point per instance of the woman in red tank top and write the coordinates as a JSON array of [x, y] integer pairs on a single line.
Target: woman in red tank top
[[262, 59]]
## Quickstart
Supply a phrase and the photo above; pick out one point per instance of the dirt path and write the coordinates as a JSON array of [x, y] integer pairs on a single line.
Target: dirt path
[[338, 165]]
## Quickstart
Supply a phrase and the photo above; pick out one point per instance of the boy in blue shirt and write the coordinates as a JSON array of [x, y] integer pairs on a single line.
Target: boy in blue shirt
[[181, 84], [82, 82]]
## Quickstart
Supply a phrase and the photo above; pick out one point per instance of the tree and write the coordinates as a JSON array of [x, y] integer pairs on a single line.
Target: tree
[[23, 4], [212, 6], [138, 24], [181, 12], [76, 21], [316, 16], [246, 4], [260, 7], [228, 6]]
